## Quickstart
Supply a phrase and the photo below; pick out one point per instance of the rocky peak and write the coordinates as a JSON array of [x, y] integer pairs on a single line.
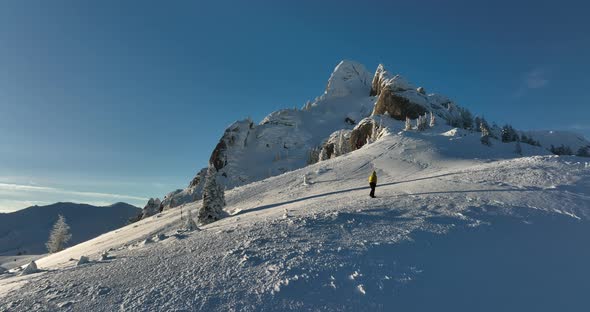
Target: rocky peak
[[384, 80], [348, 78]]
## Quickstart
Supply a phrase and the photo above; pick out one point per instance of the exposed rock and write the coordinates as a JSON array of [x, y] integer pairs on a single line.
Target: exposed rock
[[30, 268], [360, 133], [396, 106], [217, 158], [151, 208], [83, 260], [383, 80], [236, 133], [198, 179], [105, 256], [337, 144], [421, 90], [379, 80]]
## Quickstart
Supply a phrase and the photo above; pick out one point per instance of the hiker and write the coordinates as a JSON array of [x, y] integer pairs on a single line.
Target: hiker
[[373, 183]]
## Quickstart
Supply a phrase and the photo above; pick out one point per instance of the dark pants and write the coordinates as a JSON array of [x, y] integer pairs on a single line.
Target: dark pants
[[372, 185]]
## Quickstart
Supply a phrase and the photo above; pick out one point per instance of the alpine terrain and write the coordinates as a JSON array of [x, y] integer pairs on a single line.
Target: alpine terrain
[[468, 216]]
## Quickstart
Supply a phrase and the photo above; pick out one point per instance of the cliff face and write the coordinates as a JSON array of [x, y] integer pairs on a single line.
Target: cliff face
[[397, 106]]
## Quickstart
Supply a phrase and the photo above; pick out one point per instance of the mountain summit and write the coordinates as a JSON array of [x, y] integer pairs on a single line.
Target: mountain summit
[[288, 139]]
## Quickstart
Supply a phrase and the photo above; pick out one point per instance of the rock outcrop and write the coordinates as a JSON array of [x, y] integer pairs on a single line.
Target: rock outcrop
[[398, 107], [396, 96], [361, 134], [151, 208], [337, 144], [289, 139]]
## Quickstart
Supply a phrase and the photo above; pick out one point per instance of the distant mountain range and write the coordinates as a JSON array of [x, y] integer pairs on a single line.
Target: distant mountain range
[[26, 231]]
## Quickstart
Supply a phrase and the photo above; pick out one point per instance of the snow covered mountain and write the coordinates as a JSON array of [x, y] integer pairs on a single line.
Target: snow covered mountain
[[456, 226], [286, 139], [26, 231]]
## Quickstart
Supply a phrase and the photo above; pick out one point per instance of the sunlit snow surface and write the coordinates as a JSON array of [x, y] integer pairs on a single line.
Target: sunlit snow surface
[[456, 226]]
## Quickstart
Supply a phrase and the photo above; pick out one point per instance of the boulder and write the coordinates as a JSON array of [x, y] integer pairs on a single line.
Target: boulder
[[83, 260], [30, 268]]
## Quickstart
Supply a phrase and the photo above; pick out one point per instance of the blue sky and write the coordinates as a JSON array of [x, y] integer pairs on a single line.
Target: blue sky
[[106, 101]]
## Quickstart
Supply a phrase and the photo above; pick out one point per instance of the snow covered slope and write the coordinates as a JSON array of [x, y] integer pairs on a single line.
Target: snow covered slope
[[283, 140], [550, 138], [26, 231], [456, 225]]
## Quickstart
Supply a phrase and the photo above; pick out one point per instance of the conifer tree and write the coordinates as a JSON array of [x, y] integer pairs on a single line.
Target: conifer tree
[[485, 133], [213, 199], [189, 223], [408, 124], [59, 236]]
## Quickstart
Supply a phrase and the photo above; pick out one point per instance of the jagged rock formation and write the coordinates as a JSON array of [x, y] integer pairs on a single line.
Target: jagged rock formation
[[337, 144], [287, 139], [395, 96], [151, 208], [360, 133], [397, 106]]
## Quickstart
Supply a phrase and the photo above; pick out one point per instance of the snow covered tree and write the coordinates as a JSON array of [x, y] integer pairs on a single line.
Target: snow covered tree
[[477, 124], [59, 236], [213, 199], [190, 224], [432, 120], [529, 140], [509, 134], [421, 123], [408, 124], [485, 133], [561, 150], [466, 118]]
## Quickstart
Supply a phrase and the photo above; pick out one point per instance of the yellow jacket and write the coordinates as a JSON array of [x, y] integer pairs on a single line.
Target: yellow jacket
[[373, 177]]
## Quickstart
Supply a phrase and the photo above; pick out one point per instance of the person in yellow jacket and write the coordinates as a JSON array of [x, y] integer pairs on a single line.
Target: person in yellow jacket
[[373, 183]]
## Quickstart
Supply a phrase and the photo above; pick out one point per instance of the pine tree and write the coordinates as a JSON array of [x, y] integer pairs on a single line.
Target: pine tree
[[59, 236], [408, 124], [509, 134], [466, 118], [421, 123], [190, 224], [213, 199], [477, 124], [485, 133]]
